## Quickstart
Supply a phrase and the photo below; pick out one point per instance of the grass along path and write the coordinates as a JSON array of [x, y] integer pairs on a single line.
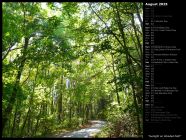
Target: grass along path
[[87, 132]]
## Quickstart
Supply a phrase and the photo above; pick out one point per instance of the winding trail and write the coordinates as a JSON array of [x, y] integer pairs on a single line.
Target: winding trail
[[86, 132]]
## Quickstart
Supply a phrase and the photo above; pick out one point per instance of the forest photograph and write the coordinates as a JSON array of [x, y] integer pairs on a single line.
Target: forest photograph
[[72, 69]]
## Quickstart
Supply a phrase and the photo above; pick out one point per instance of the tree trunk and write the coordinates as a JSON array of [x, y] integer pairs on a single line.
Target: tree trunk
[[14, 121], [60, 107], [138, 40], [139, 17], [129, 63], [13, 97], [37, 122], [115, 81], [135, 102], [60, 89], [24, 123]]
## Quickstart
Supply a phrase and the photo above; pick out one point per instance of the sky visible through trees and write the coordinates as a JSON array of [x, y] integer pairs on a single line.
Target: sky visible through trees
[[64, 64]]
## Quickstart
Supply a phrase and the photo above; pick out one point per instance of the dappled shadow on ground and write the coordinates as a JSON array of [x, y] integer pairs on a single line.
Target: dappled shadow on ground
[[86, 132]]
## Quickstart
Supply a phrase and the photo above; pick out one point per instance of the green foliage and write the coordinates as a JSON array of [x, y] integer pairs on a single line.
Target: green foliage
[[105, 46], [120, 123], [93, 45]]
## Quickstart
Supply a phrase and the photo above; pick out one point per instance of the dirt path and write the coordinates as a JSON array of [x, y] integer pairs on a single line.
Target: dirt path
[[86, 132]]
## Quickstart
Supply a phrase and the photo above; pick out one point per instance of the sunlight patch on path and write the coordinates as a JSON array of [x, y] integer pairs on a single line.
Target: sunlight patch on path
[[86, 132]]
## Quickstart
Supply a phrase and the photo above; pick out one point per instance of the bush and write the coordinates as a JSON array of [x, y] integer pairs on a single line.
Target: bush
[[122, 122]]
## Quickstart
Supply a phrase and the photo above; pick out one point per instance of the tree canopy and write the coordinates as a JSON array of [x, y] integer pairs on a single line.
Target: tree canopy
[[67, 63]]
